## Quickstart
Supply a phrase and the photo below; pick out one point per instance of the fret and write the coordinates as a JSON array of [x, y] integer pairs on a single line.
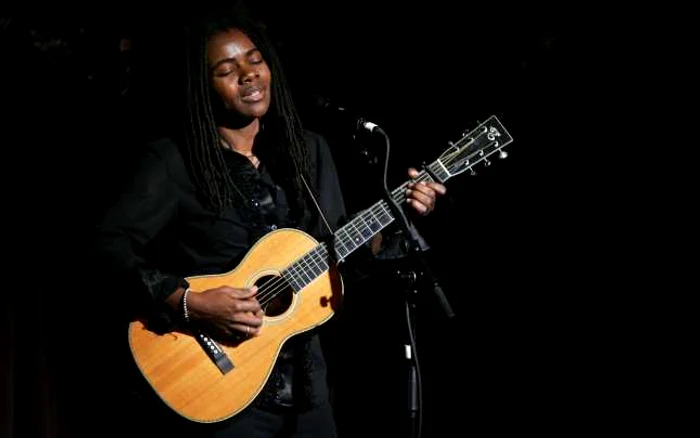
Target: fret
[[348, 243], [399, 195], [361, 228], [299, 276], [384, 214], [303, 273], [320, 257], [305, 267], [370, 224], [342, 243], [311, 260], [354, 234], [322, 252], [351, 236], [292, 279]]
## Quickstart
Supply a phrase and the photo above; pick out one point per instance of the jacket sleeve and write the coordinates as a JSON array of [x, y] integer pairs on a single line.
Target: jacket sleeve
[[122, 243]]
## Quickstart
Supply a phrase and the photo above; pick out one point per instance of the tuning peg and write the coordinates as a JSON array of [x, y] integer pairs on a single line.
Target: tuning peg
[[487, 163], [473, 172], [502, 154]]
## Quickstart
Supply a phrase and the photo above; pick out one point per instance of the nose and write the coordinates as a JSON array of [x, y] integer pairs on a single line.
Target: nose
[[248, 73]]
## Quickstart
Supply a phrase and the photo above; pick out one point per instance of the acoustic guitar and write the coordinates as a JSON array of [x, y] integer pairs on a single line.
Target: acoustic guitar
[[207, 380]]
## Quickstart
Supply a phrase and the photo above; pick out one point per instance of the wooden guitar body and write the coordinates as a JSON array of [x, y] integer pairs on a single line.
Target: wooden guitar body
[[176, 364]]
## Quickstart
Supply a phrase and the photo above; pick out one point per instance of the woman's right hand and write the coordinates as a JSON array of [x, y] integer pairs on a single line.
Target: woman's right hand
[[226, 311]]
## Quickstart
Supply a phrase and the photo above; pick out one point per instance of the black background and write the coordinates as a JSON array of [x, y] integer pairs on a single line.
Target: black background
[[507, 244]]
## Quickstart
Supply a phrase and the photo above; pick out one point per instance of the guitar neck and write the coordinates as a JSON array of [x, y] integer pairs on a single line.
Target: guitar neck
[[355, 233], [371, 221]]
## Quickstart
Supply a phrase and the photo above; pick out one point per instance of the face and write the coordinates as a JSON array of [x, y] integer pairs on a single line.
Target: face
[[239, 74]]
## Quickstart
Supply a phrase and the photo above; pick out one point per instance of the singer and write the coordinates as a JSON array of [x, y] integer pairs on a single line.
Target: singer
[[237, 165]]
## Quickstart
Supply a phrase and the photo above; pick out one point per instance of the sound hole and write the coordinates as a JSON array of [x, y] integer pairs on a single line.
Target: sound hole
[[275, 294]]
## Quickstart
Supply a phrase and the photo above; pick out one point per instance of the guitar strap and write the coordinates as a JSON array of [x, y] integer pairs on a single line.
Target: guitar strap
[[320, 211]]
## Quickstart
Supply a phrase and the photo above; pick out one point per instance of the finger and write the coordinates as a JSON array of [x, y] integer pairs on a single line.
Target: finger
[[436, 187], [249, 319], [254, 322], [243, 293], [412, 172], [439, 188], [420, 208], [424, 188], [422, 198], [254, 331], [246, 330], [242, 306]]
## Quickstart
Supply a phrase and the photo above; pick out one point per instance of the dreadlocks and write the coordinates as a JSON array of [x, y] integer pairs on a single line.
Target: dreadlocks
[[284, 152]]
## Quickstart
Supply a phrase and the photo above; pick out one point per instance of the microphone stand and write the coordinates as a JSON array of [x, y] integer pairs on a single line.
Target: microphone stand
[[418, 273]]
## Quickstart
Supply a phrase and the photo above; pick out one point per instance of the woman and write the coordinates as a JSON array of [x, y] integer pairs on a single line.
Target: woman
[[241, 167]]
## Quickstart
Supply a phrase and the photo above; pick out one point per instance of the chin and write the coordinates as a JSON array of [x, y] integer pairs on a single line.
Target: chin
[[258, 110]]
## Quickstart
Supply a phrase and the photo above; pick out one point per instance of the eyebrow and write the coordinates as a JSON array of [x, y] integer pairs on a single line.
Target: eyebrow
[[225, 60]]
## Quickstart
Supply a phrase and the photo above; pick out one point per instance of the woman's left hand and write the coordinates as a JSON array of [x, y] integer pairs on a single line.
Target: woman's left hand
[[422, 195]]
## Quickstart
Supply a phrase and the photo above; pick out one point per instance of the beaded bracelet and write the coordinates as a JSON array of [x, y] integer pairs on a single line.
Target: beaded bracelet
[[184, 305]]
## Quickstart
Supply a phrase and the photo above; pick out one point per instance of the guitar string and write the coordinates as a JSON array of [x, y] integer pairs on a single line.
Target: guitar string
[[320, 253], [280, 283], [271, 288], [274, 286]]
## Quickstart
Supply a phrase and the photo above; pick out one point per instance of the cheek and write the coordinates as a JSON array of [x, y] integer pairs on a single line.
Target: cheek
[[226, 92], [266, 75]]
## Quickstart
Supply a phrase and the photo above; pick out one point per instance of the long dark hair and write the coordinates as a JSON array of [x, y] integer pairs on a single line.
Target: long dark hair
[[284, 151]]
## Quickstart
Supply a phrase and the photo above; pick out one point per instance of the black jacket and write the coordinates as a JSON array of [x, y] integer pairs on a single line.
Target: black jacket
[[158, 233]]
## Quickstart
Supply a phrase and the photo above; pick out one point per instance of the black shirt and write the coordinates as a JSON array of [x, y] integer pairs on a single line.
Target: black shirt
[[159, 232]]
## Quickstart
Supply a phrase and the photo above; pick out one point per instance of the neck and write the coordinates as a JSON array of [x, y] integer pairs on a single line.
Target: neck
[[242, 139]]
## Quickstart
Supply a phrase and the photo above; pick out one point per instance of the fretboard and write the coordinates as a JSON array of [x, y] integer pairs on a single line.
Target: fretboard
[[354, 234]]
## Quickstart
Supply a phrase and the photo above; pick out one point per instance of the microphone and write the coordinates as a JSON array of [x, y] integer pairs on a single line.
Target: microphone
[[345, 116]]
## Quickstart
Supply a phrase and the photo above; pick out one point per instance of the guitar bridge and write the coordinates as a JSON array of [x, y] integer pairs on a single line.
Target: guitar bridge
[[215, 353]]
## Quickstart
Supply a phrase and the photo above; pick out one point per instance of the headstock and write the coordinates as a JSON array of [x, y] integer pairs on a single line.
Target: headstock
[[474, 147]]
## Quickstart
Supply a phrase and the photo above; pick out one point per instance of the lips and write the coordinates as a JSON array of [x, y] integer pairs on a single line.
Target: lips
[[252, 94]]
